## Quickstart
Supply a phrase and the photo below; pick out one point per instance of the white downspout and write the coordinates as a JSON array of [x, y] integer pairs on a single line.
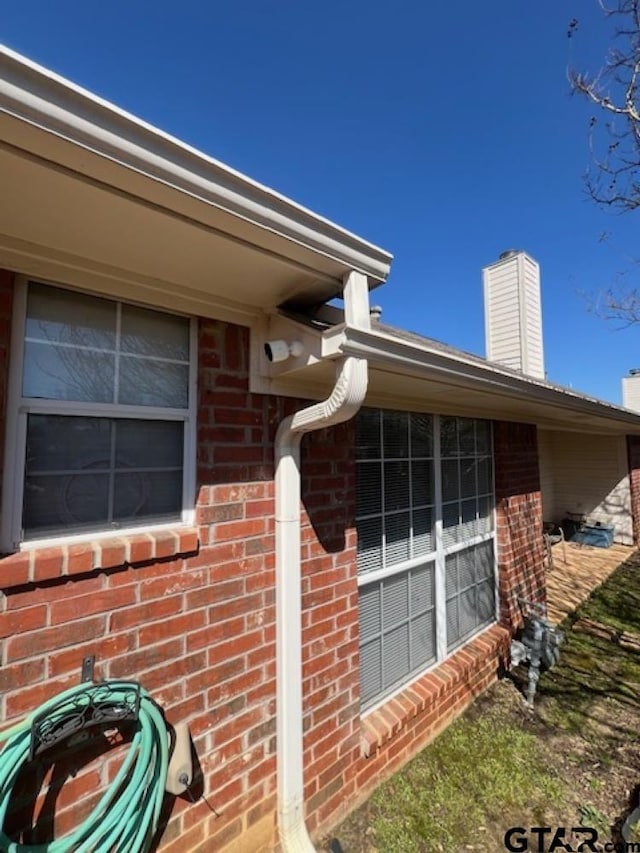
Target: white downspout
[[342, 404]]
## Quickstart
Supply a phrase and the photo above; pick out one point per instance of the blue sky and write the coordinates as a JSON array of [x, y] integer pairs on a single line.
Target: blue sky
[[444, 132]]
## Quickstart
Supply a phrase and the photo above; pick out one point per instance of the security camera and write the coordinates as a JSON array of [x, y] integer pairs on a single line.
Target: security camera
[[281, 350]]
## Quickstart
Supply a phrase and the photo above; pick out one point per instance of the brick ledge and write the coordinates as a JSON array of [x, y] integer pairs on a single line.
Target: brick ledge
[[34, 565], [422, 695]]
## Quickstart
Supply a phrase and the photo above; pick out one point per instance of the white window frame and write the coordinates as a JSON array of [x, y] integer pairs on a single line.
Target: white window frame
[[438, 557], [18, 409]]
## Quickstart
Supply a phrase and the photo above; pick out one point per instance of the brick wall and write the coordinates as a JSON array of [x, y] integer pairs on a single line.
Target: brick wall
[[192, 616], [195, 627], [518, 519], [633, 451]]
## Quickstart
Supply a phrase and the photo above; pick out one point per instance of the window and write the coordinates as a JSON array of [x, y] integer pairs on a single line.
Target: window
[[100, 416], [424, 516]]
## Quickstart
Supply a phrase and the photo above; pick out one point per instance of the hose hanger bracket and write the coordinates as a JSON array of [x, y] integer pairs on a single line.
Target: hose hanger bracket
[[102, 705]]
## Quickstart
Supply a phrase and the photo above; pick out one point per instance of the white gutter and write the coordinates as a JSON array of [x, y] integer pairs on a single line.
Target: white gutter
[[424, 361], [342, 404], [35, 95]]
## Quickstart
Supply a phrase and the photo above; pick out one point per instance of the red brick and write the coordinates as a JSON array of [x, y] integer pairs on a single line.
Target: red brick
[[19, 621], [147, 612], [129, 665], [28, 699], [141, 548], [177, 626], [80, 558], [104, 648], [36, 642], [16, 569], [70, 607], [47, 563], [21, 674]]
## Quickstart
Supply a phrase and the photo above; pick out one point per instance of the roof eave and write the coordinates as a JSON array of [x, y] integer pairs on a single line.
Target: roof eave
[[385, 350], [36, 95]]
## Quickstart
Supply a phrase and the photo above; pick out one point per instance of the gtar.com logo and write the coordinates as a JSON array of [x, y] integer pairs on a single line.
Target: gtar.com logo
[[574, 839]]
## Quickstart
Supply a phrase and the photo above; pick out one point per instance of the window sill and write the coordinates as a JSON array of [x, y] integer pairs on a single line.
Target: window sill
[[37, 564], [423, 695]]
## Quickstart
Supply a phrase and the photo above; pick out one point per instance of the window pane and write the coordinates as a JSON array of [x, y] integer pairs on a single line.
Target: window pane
[[369, 544], [368, 434], [466, 568], [467, 612], [422, 594], [484, 560], [149, 444], [395, 655], [395, 435], [468, 526], [77, 473], [467, 478], [484, 476], [396, 486], [483, 437], [423, 639], [154, 333], [55, 315], [486, 601], [450, 519], [448, 437], [368, 488], [421, 435], [451, 575], [453, 631], [60, 443], [370, 623], [422, 482], [450, 485], [396, 538], [423, 541], [485, 512], [147, 494], [60, 503], [145, 382], [67, 373], [395, 592], [370, 671], [466, 437]]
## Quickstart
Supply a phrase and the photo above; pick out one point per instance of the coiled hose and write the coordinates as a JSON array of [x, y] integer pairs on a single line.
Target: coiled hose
[[126, 817]]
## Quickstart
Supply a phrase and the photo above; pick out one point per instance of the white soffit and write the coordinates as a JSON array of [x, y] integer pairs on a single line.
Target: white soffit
[[67, 155]]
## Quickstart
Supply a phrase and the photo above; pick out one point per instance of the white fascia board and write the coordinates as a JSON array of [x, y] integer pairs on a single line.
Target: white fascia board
[[382, 349], [46, 100]]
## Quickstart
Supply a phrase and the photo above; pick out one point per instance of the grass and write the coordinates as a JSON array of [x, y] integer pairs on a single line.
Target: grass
[[572, 761], [461, 783]]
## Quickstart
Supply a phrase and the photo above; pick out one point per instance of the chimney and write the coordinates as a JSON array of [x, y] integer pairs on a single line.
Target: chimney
[[631, 390], [513, 316]]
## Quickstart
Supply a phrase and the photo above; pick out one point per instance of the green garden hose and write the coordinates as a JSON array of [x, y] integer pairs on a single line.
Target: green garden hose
[[126, 817]]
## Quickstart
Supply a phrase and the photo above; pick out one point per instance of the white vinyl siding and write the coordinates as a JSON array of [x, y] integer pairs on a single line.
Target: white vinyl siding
[[513, 316], [426, 563], [545, 464], [631, 392], [589, 477], [534, 364], [100, 416], [502, 309]]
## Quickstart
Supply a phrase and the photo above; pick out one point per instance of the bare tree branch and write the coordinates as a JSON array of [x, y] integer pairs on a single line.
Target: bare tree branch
[[614, 177]]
